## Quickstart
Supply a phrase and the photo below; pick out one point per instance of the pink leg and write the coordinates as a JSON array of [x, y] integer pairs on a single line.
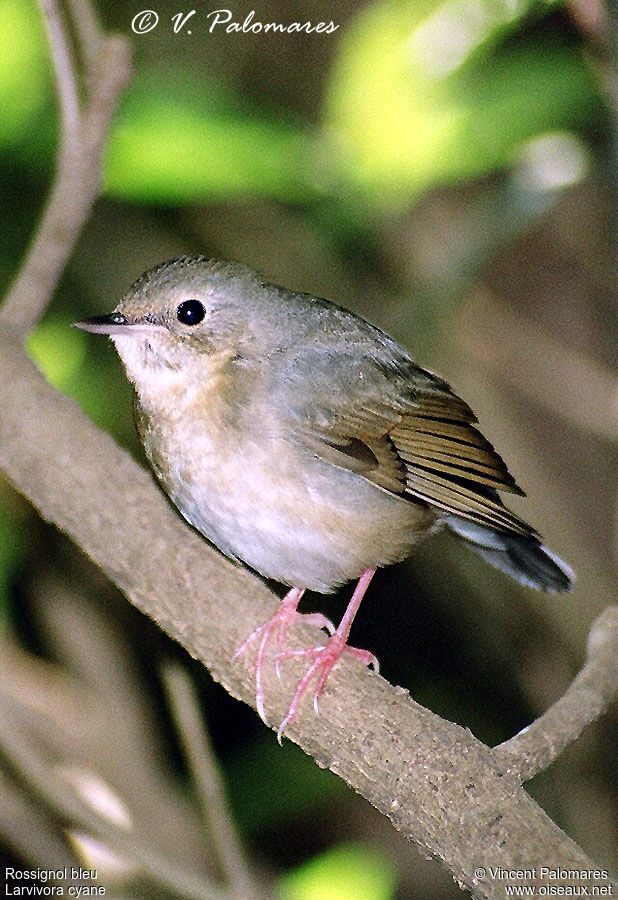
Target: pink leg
[[325, 658], [277, 626]]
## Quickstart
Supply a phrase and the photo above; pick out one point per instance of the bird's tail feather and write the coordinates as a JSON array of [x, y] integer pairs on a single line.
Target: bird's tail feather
[[523, 558]]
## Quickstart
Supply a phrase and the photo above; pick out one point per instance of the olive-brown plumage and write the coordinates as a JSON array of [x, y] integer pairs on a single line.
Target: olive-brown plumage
[[302, 440]]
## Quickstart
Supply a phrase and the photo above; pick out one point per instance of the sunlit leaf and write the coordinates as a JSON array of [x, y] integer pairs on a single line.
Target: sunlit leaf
[[421, 95], [349, 872], [58, 350], [24, 68], [182, 143]]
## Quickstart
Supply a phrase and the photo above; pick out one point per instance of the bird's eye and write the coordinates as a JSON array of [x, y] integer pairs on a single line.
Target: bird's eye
[[190, 312]]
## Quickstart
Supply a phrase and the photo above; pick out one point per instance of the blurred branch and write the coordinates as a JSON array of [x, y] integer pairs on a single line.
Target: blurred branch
[[539, 366], [31, 834], [90, 718], [57, 793], [536, 747], [88, 30], [434, 780], [208, 782], [65, 77], [83, 132]]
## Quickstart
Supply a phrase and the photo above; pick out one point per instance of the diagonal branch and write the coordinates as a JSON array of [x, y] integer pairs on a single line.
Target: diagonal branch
[[433, 779]]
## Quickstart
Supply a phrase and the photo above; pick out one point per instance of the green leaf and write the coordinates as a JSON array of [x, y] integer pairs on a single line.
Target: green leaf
[[180, 142], [347, 872], [421, 94], [24, 69]]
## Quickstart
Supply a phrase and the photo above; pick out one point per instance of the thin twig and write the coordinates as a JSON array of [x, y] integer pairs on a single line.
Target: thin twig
[[78, 171], [536, 747], [87, 27], [208, 782], [65, 77]]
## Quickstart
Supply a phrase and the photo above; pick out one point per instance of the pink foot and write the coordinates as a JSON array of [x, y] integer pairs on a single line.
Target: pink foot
[[324, 657], [324, 660], [277, 627]]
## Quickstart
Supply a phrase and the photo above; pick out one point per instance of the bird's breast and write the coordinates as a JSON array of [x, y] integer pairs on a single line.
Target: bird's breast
[[263, 498]]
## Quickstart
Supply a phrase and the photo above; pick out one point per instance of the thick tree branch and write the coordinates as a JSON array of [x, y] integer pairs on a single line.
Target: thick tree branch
[[435, 781]]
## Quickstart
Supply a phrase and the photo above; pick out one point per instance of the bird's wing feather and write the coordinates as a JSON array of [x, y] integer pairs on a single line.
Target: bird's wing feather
[[407, 432]]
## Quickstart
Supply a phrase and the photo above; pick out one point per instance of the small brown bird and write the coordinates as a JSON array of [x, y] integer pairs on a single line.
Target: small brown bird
[[306, 443]]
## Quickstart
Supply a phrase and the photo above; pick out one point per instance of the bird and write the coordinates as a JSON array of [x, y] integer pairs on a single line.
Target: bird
[[305, 443]]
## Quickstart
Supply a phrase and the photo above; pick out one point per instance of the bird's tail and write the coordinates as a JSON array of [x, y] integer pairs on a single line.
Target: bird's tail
[[523, 558]]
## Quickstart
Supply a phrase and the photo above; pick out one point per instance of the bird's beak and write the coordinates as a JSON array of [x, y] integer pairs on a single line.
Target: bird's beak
[[115, 323]]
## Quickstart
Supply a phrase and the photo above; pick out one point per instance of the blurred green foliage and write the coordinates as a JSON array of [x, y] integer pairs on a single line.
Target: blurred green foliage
[[185, 139], [419, 94], [59, 352], [270, 784], [24, 69], [345, 872], [422, 94]]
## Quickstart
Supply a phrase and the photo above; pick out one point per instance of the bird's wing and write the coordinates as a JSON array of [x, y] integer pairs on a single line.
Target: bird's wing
[[407, 432]]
